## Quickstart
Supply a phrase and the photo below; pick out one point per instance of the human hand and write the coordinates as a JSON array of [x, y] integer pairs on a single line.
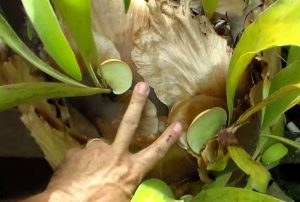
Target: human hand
[[103, 172]]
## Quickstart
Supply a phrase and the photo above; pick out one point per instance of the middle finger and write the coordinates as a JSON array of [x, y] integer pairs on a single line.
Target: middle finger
[[132, 116]]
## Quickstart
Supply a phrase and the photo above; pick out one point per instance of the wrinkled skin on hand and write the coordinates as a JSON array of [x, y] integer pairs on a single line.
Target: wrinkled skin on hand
[[103, 172]]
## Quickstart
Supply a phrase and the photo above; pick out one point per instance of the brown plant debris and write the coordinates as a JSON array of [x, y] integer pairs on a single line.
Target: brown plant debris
[[42, 118], [54, 143]]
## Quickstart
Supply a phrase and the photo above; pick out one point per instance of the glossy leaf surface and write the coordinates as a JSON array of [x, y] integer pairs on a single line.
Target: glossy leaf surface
[[274, 153], [209, 7], [294, 54], [289, 75], [117, 74], [282, 100], [278, 25], [284, 140], [204, 127], [259, 176], [14, 42], [220, 181], [77, 16], [45, 23], [231, 194], [15, 94]]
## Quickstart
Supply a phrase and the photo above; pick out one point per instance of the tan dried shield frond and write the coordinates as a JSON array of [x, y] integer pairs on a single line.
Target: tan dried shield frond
[[180, 55]]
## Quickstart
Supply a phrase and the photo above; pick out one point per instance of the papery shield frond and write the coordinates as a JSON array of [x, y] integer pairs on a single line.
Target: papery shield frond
[[180, 55]]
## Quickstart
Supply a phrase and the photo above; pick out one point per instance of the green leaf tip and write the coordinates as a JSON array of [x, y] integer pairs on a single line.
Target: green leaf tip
[[209, 7], [43, 19], [259, 176], [274, 153], [127, 5]]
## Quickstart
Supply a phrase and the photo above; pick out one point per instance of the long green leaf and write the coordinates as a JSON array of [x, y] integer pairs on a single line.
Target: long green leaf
[[289, 75], [126, 5], [294, 54], [264, 143], [281, 100], [15, 94], [44, 21], [13, 41], [284, 140], [209, 7], [259, 176], [231, 194], [77, 16], [279, 25], [220, 181]]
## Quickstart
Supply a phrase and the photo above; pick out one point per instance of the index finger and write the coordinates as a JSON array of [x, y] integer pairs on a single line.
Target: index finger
[[132, 116], [158, 149]]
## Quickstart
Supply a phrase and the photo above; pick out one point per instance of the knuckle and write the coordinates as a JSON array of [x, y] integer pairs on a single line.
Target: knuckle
[[92, 144], [72, 152], [138, 98], [130, 122], [142, 166], [137, 101], [160, 152]]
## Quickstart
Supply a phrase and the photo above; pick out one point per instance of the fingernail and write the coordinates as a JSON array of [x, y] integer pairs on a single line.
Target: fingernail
[[142, 88], [177, 127]]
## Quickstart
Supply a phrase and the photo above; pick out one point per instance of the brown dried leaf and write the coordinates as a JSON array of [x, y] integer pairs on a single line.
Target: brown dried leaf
[[16, 70], [46, 125], [209, 153], [202, 170], [54, 143], [181, 56], [3, 51], [273, 59]]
